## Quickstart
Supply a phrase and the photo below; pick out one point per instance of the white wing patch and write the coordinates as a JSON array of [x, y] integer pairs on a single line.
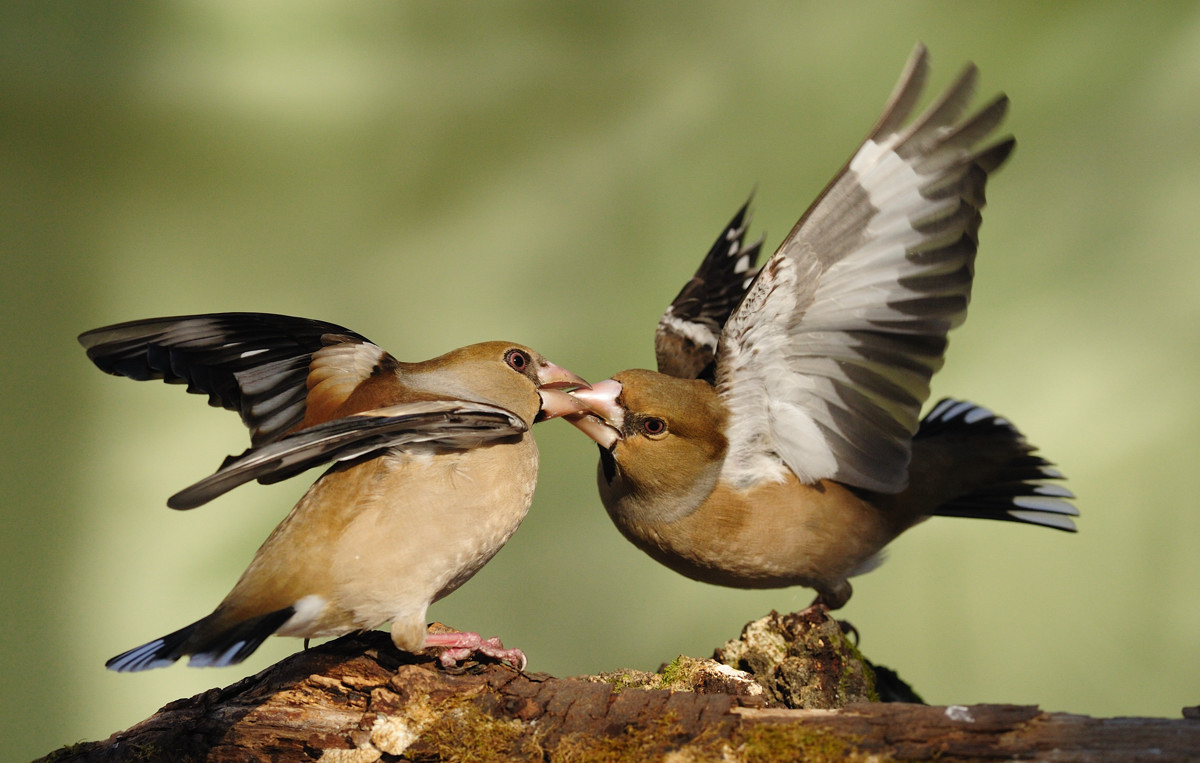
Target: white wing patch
[[696, 332]]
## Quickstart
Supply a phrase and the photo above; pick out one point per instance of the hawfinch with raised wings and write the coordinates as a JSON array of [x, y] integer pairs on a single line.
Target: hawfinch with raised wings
[[433, 467], [779, 442]]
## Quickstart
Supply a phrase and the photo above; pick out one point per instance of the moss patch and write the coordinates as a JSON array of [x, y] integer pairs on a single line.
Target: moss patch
[[663, 739], [680, 673], [766, 743], [461, 731]]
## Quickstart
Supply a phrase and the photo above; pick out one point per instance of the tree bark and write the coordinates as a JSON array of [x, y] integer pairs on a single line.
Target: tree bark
[[358, 699]]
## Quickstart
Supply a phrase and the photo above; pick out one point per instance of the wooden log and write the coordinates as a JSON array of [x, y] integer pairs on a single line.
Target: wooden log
[[358, 699]]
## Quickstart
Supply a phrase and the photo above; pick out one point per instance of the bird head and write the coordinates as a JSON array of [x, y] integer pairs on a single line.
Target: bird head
[[661, 440], [510, 375]]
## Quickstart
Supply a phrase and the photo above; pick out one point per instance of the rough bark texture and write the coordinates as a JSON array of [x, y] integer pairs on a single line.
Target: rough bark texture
[[358, 699]]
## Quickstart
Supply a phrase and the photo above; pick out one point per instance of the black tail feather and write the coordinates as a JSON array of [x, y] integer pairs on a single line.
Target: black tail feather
[[228, 647], [158, 653], [1024, 489]]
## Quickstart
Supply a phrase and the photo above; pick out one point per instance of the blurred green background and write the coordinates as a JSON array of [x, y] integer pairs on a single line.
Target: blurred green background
[[432, 175]]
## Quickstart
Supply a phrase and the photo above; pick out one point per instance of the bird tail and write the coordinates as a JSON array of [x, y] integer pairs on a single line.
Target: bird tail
[[1016, 484], [224, 647]]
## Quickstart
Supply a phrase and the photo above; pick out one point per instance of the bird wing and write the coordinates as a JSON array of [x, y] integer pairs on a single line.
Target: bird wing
[[685, 342], [443, 423], [254, 363], [826, 363]]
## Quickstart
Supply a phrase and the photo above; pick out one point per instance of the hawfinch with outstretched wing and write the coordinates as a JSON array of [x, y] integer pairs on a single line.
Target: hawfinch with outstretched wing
[[779, 444], [434, 466]]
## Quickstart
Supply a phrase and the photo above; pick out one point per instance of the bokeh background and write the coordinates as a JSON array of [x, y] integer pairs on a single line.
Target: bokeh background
[[437, 174]]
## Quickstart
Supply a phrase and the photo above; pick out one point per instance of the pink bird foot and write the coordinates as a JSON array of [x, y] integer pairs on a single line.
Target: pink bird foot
[[459, 645]]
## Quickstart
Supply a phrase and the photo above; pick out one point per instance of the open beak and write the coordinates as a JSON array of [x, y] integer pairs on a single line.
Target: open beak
[[551, 376], [604, 417], [557, 403], [552, 380]]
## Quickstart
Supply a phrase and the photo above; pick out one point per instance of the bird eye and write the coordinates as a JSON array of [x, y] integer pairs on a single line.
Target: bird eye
[[654, 426], [517, 360]]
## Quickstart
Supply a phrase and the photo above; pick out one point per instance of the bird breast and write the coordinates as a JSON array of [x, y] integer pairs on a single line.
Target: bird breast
[[770, 535], [380, 540], [434, 519]]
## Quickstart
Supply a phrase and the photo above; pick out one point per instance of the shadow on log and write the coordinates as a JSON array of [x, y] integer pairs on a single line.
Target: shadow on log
[[358, 699]]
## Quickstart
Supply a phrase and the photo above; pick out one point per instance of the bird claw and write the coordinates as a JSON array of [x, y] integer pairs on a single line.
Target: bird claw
[[459, 645], [848, 629]]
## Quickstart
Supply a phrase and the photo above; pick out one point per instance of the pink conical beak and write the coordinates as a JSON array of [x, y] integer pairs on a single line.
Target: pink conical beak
[[552, 379], [551, 376], [557, 403], [605, 416]]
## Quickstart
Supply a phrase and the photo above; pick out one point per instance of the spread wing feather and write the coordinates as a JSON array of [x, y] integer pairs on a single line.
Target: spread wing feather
[[256, 364], [825, 364], [447, 424], [685, 343]]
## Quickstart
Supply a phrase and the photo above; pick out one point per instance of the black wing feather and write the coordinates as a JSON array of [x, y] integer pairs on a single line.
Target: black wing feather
[[449, 423], [686, 340], [253, 363]]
